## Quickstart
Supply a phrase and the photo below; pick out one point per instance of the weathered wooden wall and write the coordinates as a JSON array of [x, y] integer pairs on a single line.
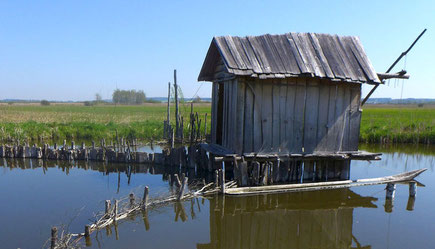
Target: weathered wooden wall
[[294, 114]]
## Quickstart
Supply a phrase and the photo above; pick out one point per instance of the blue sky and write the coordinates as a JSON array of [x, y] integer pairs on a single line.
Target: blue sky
[[70, 50]]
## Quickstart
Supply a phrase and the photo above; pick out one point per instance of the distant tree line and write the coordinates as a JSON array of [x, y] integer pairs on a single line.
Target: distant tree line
[[131, 97]]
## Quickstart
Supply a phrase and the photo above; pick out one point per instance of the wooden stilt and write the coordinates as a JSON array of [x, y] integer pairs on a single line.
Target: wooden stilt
[[411, 203], [107, 207], [412, 189], [390, 190], [145, 197], [53, 237]]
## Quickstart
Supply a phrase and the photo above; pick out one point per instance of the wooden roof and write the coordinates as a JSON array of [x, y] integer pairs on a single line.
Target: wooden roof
[[340, 58]]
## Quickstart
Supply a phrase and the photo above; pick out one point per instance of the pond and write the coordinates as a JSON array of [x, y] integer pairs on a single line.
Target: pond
[[36, 195]]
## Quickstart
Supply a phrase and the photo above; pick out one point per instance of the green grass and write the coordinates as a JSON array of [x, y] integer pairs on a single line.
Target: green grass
[[62, 121], [389, 124], [398, 125]]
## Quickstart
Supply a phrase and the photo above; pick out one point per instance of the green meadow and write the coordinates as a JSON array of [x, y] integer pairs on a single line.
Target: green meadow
[[380, 124]]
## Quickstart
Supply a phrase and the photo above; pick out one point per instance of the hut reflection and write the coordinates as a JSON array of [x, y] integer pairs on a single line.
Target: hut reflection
[[321, 219]]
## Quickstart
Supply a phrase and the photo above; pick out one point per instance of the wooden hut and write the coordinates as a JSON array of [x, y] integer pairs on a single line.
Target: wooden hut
[[296, 92]]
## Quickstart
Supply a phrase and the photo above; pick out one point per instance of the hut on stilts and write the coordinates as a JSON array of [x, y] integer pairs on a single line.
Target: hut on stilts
[[295, 96]]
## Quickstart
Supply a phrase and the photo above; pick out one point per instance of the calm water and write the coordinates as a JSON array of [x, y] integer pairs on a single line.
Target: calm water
[[36, 195]]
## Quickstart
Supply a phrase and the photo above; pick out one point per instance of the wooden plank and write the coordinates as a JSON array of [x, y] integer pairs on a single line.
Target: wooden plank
[[309, 50], [290, 62], [357, 69], [322, 58], [332, 59], [331, 141], [258, 115], [346, 119], [235, 53], [355, 117], [298, 121], [215, 101], [302, 67], [346, 62], [225, 115], [370, 71], [303, 51], [340, 108], [260, 54], [240, 113], [322, 121], [267, 104], [282, 114], [248, 135], [289, 114], [272, 53], [234, 114], [332, 45], [276, 88], [255, 64], [225, 52], [311, 116]]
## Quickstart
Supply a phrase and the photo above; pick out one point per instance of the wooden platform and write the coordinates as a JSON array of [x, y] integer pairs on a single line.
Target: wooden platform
[[223, 154]]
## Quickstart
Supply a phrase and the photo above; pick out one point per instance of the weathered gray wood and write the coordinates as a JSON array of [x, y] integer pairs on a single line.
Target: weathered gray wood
[[311, 116], [333, 59], [267, 104], [214, 112], [289, 114], [298, 121], [355, 117], [224, 114], [322, 121], [234, 117], [240, 114], [256, 66], [296, 54], [412, 189], [259, 54], [346, 122], [282, 115], [258, 116], [276, 124], [244, 173], [248, 129], [255, 173], [308, 171], [322, 58], [340, 108], [146, 196]]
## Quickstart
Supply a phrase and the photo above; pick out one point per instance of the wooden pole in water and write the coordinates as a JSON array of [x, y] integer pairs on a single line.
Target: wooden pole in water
[[131, 197], [53, 237], [168, 108], [145, 197], [390, 190], [412, 189], [216, 178], [115, 210], [107, 207], [176, 103], [182, 189], [87, 230]]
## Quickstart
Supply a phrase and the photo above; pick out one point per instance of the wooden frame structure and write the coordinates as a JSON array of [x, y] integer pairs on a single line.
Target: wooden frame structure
[[293, 93]]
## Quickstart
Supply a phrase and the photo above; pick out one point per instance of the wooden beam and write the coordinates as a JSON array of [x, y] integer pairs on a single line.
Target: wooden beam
[[384, 76]]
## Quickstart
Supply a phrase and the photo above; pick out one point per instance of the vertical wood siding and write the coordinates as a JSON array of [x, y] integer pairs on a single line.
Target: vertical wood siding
[[294, 114]]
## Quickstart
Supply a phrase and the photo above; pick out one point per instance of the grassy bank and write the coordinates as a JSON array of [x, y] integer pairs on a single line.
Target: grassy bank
[[380, 124], [74, 121], [403, 124]]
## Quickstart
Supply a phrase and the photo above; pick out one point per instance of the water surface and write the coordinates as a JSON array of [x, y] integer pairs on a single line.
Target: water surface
[[36, 195]]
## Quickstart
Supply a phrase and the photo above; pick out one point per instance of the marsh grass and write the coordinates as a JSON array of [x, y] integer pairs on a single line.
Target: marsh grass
[[380, 124], [79, 122]]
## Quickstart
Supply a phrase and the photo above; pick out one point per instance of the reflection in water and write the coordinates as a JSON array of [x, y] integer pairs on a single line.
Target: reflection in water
[[321, 219]]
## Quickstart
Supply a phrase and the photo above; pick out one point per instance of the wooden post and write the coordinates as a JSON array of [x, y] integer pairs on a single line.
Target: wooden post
[[173, 134], [83, 146], [64, 144], [223, 178], [107, 208], [168, 109], [53, 237], [255, 172], [176, 103], [131, 197], [390, 190], [87, 231], [115, 211], [145, 197], [182, 189], [412, 189], [205, 126], [216, 178], [411, 203], [93, 144]]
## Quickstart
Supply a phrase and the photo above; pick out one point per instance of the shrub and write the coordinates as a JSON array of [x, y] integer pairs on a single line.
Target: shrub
[[88, 103], [45, 102]]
